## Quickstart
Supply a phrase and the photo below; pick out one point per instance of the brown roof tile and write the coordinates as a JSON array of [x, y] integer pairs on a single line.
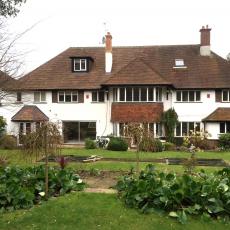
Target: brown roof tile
[[220, 114], [29, 113], [137, 72], [156, 65], [5, 79], [136, 112]]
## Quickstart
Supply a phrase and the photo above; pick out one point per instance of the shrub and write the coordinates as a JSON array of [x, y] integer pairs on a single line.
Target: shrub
[[8, 142], [198, 139], [178, 195], [23, 187], [90, 144], [117, 144], [168, 146], [224, 141], [149, 144], [2, 125], [178, 141]]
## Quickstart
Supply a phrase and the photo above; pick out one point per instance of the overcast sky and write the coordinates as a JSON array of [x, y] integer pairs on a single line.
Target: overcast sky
[[61, 24]]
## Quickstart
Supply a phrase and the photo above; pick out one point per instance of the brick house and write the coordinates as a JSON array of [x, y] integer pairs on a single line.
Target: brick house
[[94, 91]]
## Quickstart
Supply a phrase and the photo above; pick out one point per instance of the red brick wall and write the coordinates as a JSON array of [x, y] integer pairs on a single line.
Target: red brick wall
[[136, 112]]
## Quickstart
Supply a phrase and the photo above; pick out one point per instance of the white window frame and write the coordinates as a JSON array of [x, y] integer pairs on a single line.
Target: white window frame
[[80, 60], [225, 126], [188, 131], [97, 92], [156, 90], [181, 96], [69, 92], [40, 96], [222, 94]]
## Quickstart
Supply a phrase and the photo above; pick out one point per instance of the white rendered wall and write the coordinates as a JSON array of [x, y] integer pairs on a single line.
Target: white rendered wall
[[58, 112], [101, 112]]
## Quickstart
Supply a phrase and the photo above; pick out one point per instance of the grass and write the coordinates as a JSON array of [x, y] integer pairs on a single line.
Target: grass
[[15, 158], [144, 155], [94, 211]]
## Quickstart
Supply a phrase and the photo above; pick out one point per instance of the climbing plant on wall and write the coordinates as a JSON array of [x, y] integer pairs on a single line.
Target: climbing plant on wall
[[170, 120]]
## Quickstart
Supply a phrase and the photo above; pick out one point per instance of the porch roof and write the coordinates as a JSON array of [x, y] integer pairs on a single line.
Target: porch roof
[[29, 113], [220, 114]]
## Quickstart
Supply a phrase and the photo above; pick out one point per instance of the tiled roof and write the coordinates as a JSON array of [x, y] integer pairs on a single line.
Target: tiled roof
[[4, 79], [131, 65], [220, 114], [136, 112], [29, 113], [141, 74]]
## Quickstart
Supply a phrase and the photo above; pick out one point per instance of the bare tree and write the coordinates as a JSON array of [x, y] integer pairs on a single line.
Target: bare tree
[[46, 140], [9, 8]]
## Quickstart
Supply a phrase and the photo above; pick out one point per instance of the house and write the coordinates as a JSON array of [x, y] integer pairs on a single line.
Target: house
[[94, 91]]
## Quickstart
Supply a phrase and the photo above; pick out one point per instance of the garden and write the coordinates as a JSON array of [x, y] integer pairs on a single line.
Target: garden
[[105, 185]]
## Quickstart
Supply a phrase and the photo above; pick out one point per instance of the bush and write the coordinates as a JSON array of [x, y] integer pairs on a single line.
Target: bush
[[168, 146], [8, 142], [178, 195], [149, 144], [224, 141], [178, 141], [117, 144], [90, 144], [23, 187]]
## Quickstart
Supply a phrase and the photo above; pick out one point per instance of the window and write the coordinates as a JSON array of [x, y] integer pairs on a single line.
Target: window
[[185, 128], [226, 95], [79, 64], [137, 94], [187, 96], [98, 96], [68, 96], [179, 62], [225, 127], [19, 96], [39, 97]]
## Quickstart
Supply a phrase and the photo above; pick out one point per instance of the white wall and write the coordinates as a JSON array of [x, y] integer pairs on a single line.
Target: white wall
[[101, 112]]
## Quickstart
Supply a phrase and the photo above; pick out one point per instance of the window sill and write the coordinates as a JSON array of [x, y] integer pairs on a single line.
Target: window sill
[[37, 102], [62, 102], [18, 102], [189, 102], [98, 102]]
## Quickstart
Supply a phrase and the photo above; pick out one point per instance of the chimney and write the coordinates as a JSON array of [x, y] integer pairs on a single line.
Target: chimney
[[108, 53], [205, 41]]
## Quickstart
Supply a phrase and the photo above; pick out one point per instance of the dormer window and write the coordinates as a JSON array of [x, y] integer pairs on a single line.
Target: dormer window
[[179, 63], [80, 64]]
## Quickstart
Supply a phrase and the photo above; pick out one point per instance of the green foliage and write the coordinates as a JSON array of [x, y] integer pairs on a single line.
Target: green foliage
[[150, 144], [170, 120], [168, 146], [190, 164], [23, 187], [224, 141], [178, 195], [199, 139], [90, 144], [9, 7], [117, 144], [2, 125], [8, 142]]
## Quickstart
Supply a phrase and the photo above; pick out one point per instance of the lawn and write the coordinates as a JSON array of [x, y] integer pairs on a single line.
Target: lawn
[[15, 158], [94, 211], [143, 155], [100, 211]]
